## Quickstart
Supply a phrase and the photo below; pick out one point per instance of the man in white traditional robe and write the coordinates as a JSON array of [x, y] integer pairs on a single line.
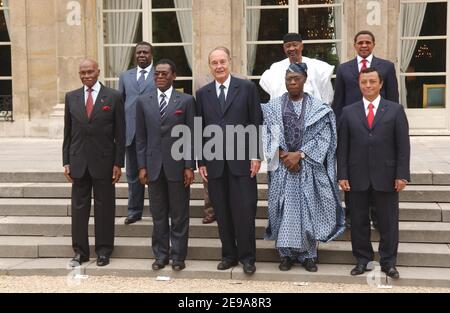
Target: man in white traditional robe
[[318, 84]]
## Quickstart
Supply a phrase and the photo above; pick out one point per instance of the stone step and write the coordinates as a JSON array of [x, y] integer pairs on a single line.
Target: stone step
[[409, 211], [419, 232], [418, 177], [418, 193], [409, 254], [195, 269]]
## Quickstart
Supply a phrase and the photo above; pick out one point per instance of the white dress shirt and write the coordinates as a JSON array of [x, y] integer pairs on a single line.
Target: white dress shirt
[[95, 90], [168, 94], [376, 104], [227, 87], [148, 69], [369, 60]]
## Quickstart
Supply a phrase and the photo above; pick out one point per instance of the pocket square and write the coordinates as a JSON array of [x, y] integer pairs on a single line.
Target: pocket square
[[106, 108], [179, 112]]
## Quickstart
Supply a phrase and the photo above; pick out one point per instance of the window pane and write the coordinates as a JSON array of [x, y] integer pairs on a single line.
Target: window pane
[[435, 19], [183, 86], [4, 36], [265, 56], [327, 52], [5, 61], [433, 87], [267, 2], [112, 84], [122, 5], [319, 23], [264, 97], [177, 55], [429, 56], [306, 2], [123, 28], [118, 60], [5, 97], [169, 4], [165, 27], [273, 24]]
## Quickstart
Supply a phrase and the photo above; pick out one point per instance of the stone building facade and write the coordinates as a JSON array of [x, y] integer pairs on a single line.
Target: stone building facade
[[48, 38]]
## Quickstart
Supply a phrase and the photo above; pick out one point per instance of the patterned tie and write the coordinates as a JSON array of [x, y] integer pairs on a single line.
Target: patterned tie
[[163, 105], [364, 64], [89, 103], [141, 80], [370, 116], [222, 101]]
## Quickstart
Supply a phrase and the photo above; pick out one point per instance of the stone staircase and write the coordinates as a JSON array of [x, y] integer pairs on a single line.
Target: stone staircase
[[35, 228]]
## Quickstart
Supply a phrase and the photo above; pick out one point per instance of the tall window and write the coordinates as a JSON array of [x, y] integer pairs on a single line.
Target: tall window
[[318, 21], [166, 24], [5, 64], [423, 58]]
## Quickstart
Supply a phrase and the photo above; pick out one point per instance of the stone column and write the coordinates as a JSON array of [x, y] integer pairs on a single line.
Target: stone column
[[75, 19]]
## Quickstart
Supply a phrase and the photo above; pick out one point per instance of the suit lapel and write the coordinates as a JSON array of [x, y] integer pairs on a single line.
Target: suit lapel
[[212, 97], [361, 112], [154, 107], [148, 81], [98, 105], [173, 103], [232, 93], [381, 111], [81, 105], [133, 78], [355, 68]]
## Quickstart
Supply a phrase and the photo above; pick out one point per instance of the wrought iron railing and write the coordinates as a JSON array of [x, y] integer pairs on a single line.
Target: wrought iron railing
[[6, 111]]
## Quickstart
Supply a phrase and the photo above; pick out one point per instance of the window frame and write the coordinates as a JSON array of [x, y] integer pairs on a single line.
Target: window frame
[[7, 115], [293, 26], [147, 33], [446, 37]]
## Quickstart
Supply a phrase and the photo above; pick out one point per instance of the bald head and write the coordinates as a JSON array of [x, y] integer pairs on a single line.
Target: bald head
[[89, 72]]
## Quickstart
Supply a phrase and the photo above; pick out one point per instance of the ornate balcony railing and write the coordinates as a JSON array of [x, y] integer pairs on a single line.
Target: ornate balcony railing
[[6, 111]]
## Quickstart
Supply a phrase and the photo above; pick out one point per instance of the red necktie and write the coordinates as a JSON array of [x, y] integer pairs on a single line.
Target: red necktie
[[370, 116], [364, 65], [89, 103]]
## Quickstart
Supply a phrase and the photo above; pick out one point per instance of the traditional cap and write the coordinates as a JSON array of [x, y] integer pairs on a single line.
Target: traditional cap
[[298, 68], [290, 37]]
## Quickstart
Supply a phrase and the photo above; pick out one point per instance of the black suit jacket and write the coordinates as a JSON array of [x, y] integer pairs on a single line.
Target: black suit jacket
[[98, 143], [347, 89], [374, 157], [243, 108], [154, 140]]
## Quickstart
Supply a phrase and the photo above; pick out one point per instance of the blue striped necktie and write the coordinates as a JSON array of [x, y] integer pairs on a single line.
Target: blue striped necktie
[[163, 105]]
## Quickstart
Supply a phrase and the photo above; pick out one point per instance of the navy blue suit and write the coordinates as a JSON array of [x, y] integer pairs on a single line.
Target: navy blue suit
[[131, 91], [347, 89], [232, 191], [372, 159]]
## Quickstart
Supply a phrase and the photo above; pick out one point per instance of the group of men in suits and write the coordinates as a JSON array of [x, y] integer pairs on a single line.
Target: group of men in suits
[[101, 124]]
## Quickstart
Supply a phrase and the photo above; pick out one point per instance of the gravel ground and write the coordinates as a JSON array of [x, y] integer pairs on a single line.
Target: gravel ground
[[40, 284]]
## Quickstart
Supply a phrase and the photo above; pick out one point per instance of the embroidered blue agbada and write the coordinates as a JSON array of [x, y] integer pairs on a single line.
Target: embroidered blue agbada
[[304, 208]]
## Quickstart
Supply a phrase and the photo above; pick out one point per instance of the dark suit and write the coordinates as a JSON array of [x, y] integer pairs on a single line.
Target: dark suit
[[130, 90], [232, 191], [92, 147], [347, 89], [168, 196], [372, 159]]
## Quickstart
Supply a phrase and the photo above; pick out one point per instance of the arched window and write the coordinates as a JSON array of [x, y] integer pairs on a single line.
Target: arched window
[[166, 24], [5, 64]]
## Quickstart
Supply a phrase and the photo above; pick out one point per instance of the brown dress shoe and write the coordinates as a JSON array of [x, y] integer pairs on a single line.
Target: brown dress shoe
[[208, 219]]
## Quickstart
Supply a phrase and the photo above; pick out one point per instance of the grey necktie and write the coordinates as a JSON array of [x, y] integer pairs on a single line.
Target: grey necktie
[[222, 100], [163, 105], [141, 80]]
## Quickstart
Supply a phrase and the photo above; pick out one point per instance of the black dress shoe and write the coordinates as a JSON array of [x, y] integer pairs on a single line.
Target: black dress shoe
[[391, 271], [286, 264], [102, 260], [249, 268], [159, 264], [224, 265], [178, 266], [310, 265], [359, 269], [131, 220], [77, 260]]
